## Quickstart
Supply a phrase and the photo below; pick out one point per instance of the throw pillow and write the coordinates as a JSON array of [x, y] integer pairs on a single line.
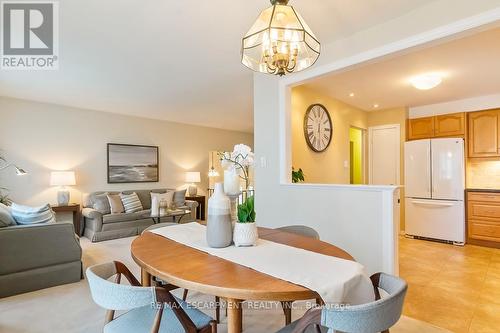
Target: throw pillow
[[32, 215], [6, 218], [100, 203], [180, 198], [156, 198], [115, 203], [131, 202]]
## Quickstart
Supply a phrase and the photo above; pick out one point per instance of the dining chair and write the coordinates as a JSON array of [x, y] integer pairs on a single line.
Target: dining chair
[[149, 309], [377, 316], [305, 231], [301, 230], [186, 291]]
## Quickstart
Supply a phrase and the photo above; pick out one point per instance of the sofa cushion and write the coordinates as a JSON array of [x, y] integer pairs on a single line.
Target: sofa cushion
[[32, 215], [125, 217], [131, 202], [100, 203], [115, 202], [6, 218], [180, 198]]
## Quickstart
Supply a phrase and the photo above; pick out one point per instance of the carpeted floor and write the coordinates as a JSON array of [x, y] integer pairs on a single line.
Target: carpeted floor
[[69, 308]]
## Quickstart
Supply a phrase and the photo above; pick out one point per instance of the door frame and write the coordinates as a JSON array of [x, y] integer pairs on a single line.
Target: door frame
[[364, 153], [370, 151]]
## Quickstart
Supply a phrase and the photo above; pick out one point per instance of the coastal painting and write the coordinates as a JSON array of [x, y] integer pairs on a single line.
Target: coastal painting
[[132, 163]]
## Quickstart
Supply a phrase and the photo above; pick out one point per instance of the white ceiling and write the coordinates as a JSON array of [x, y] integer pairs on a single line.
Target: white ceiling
[[471, 66], [174, 60]]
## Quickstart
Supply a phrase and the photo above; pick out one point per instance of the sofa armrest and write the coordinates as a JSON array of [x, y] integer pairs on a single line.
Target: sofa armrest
[[25, 247], [91, 213], [192, 205], [92, 219]]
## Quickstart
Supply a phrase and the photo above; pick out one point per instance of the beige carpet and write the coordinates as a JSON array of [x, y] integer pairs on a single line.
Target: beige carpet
[[69, 308]]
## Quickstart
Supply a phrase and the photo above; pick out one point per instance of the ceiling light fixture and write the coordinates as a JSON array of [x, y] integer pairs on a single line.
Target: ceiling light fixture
[[426, 81], [280, 42], [351, 95], [212, 172], [376, 106]]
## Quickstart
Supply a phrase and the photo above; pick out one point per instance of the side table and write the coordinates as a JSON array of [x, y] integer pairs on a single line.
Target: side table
[[200, 210], [75, 209]]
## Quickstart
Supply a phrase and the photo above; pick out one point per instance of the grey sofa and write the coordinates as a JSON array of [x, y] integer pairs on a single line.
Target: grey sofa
[[101, 227], [38, 256]]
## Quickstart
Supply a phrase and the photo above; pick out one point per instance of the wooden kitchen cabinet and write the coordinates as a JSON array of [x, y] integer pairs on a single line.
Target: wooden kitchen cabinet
[[447, 125], [420, 128], [484, 136], [483, 218]]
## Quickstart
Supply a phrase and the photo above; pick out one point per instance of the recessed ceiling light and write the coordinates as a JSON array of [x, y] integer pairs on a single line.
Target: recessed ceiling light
[[351, 95], [376, 106], [426, 81]]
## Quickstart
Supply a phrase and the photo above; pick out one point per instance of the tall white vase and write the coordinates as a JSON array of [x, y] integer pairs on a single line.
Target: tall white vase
[[219, 226], [231, 182]]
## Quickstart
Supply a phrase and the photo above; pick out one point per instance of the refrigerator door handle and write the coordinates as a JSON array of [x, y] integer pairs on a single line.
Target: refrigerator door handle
[[433, 203]]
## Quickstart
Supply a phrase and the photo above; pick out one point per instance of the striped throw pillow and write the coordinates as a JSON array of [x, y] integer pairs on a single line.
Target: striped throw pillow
[[32, 215], [131, 202]]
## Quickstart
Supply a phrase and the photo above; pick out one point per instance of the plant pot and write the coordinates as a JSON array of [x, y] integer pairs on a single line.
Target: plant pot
[[245, 234]]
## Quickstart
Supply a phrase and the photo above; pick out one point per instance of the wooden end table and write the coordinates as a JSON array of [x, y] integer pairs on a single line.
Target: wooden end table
[[200, 210], [71, 207]]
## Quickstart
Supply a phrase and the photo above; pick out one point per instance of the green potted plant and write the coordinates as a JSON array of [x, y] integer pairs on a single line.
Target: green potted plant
[[297, 176], [245, 229]]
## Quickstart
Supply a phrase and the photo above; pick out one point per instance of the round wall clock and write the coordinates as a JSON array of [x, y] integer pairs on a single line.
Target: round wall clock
[[318, 128]]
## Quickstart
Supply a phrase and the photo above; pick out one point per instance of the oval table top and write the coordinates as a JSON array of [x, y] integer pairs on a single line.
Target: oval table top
[[192, 269]]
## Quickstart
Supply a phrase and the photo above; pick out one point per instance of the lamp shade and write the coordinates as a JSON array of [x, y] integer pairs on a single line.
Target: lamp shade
[[62, 178], [193, 177]]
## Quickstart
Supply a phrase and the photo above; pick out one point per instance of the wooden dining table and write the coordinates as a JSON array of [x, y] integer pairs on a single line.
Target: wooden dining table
[[188, 268]]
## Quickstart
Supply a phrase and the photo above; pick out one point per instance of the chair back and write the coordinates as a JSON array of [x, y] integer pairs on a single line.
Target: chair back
[[114, 296], [301, 230], [377, 316]]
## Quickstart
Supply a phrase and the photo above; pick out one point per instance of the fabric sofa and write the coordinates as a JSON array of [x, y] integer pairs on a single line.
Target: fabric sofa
[[101, 227], [38, 256]]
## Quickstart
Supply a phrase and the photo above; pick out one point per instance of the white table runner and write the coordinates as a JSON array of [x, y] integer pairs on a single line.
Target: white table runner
[[335, 280]]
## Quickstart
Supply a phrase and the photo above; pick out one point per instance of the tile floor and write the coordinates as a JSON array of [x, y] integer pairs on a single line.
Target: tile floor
[[456, 288]]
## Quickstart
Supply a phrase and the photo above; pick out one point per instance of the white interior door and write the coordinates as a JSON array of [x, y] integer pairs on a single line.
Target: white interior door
[[448, 169], [418, 169], [384, 154]]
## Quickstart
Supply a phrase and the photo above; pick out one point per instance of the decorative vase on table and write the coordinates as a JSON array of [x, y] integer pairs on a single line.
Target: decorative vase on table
[[245, 230], [219, 226], [245, 234]]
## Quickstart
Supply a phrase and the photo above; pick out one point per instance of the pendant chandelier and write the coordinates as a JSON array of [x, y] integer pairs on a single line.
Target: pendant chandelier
[[280, 42], [212, 172]]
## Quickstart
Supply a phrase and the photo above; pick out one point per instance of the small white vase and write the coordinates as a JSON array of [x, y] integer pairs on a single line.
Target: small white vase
[[231, 182], [245, 234]]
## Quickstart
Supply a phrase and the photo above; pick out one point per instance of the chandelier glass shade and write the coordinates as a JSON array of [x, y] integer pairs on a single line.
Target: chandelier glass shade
[[280, 42]]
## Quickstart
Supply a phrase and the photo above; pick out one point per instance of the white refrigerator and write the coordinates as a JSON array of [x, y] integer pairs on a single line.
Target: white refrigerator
[[434, 189]]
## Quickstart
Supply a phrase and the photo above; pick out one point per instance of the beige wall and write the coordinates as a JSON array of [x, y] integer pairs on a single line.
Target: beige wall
[[43, 137], [327, 167]]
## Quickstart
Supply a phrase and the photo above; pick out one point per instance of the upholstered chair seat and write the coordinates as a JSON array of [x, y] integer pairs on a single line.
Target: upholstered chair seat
[[377, 316], [149, 309], [301, 230]]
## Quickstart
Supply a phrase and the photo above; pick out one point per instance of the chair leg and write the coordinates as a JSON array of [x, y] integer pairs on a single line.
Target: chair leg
[[287, 310], [316, 327], [185, 295], [213, 325], [217, 309]]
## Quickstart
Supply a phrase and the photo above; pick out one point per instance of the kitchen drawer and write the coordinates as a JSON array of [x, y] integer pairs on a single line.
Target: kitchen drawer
[[483, 210], [483, 196], [479, 230]]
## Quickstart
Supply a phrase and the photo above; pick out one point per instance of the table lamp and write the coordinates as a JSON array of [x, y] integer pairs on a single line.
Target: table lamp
[[62, 179], [192, 178]]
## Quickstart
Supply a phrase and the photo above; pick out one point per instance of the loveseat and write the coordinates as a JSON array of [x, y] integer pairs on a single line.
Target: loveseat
[[100, 226], [38, 256]]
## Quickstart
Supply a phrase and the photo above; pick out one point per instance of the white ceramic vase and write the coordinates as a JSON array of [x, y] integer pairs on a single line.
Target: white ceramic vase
[[219, 226], [245, 234], [231, 182]]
